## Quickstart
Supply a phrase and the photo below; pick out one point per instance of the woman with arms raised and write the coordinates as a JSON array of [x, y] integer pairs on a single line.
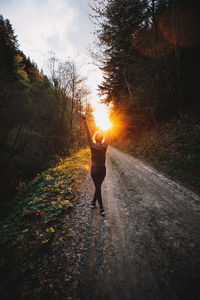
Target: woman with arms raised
[[98, 155]]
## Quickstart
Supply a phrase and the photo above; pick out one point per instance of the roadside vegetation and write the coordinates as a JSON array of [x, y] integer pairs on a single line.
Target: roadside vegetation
[[40, 118], [36, 218], [40, 125], [171, 147]]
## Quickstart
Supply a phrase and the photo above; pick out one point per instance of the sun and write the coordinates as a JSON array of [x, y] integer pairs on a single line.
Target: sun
[[102, 120]]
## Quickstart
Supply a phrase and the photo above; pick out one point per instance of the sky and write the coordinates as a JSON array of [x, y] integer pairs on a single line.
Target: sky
[[59, 26]]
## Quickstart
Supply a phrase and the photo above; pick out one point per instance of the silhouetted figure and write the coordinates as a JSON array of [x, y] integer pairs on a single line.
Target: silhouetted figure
[[98, 146]]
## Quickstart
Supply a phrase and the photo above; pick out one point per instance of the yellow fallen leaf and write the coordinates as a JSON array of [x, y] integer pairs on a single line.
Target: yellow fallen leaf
[[44, 241]]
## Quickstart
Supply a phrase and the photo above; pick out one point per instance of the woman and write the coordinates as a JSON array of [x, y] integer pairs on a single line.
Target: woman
[[98, 156]]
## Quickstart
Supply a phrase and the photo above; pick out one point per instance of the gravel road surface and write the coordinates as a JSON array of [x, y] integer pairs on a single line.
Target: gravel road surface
[[147, 246]]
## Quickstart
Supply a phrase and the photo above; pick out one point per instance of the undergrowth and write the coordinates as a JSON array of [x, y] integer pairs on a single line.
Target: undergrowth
[[171, 147], [37, 213]]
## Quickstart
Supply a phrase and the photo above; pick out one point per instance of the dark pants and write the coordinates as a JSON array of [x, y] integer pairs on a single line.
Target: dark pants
[[98, 174]]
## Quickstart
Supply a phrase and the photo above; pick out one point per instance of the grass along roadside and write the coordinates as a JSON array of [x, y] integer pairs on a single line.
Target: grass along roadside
[[172, 148], [36, 216]]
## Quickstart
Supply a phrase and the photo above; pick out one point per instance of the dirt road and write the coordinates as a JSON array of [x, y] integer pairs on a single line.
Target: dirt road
[[148, 244]]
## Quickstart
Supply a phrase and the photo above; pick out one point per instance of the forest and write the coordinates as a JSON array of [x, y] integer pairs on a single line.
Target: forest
[[53, 245], [40, 116], [149, 53]]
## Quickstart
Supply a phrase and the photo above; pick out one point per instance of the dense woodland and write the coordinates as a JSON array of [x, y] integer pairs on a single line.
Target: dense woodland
[[40, 116], [149, 52]]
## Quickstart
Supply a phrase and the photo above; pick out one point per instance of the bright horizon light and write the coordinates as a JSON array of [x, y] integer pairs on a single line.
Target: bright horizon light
[[101, 116]]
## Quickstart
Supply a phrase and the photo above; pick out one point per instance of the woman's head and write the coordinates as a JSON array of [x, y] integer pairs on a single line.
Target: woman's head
[[98, 137]]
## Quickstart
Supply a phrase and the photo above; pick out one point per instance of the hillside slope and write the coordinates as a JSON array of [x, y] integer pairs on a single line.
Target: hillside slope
[[172, 148], [36, 218]]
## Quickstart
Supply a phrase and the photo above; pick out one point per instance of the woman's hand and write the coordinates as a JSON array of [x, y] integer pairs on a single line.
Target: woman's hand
[[83, 116]]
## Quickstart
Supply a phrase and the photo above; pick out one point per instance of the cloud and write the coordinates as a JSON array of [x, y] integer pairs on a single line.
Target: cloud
[[61, 26], [42, 25]]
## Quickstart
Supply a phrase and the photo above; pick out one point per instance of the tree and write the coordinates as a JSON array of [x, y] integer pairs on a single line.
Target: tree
[[39, 117], [144, 53], [72, 87]]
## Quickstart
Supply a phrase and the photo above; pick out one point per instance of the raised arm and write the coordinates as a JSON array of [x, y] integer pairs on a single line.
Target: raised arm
[[87, 130], [107, 138]]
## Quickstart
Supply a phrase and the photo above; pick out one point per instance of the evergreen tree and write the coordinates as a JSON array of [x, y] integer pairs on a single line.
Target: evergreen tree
[[37, 115], [8, 49], [150, 56]]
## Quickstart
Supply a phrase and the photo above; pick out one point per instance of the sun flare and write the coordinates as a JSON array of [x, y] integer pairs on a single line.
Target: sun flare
[[102, 120]]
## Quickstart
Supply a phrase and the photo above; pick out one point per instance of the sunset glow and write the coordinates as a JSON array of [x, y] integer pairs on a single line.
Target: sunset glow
[[102, 120]]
